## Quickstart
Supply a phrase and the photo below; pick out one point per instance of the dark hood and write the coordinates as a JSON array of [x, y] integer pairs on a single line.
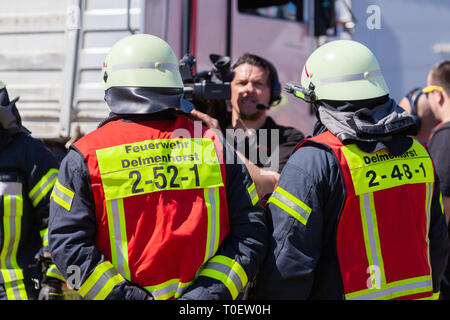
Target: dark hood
[[139, 100], [10, 120], [371, 124]]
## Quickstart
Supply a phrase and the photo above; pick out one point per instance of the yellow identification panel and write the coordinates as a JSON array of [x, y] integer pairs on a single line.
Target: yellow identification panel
[[377, 171], [156, 165]]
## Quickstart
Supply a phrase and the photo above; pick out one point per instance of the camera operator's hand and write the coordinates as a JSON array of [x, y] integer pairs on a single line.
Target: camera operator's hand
[[207, 120]]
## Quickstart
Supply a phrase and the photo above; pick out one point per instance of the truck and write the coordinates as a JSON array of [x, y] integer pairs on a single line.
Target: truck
[[53, 50]]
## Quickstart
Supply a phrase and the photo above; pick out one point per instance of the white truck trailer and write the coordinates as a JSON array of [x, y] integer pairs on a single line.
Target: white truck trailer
[[52, 51]]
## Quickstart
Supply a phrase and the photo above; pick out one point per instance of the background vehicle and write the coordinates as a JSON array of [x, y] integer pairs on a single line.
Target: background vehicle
[[52, 50]]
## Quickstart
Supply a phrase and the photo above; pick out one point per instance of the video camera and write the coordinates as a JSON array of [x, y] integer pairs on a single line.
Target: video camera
[[212, 84]]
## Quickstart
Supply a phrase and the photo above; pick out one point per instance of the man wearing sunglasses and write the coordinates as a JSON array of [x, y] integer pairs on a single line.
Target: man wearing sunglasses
[[438, 95]]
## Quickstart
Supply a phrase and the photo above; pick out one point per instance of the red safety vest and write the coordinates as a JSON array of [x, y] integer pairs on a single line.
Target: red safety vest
[[382, 235], [160, 202]]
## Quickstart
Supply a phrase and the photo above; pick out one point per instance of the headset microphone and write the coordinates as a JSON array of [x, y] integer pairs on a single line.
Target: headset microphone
[[261, 106]]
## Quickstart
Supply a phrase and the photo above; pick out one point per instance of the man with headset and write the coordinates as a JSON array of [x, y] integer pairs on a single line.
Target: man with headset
[[418, 106], [265, 144]]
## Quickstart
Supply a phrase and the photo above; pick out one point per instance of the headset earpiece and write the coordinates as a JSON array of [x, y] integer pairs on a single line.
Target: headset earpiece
[[275, 89]]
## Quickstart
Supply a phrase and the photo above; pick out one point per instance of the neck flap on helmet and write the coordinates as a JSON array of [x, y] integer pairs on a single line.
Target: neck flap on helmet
[[373, 124], [143, 100]]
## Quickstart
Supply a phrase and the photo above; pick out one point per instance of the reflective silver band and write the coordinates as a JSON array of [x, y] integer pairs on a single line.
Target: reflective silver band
[[48, 181], [145, 65], [100, 283], [351, 77], [213, 219], [62, 196], [230, 273], [117, 238], [400, 288], [368, 215], [291, 204], [11, 188]]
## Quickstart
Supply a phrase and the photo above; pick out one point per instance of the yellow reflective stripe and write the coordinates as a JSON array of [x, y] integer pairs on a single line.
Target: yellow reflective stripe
[[212, 201], [435, 296], [15, 290], [118, 236], [253, 194], [394, 290], [181, 287], [53, 272], [44, 236], [292, 205], [372, 239], [442, 203], [43, 186], [211, 273], [62, 196], [168, 289], [12, 223], [227, 271], [100, 283]]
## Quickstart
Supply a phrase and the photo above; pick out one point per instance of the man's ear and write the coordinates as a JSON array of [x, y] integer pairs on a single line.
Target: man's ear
[[439, 97], [444, 97]]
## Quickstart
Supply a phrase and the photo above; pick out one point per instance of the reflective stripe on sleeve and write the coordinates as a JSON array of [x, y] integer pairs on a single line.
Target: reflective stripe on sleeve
[[11, 273], [227, 271], [62, 196], [253, 194], [44, 237], [53, 272], [15, 290], [44, 185], [168, 289], [292, 205], [100, 283], [11, 188]]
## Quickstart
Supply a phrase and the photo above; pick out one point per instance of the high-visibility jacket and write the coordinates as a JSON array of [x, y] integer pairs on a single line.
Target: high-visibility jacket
[[28, 172], [355, 225], [382, 240], [161, 209]]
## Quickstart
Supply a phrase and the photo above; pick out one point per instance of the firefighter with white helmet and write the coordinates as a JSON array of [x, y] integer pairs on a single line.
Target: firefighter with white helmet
[[143, 207], [356, 213]]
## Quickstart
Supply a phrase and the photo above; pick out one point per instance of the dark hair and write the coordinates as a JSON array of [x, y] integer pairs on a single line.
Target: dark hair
[[440, 75], [257, 61]]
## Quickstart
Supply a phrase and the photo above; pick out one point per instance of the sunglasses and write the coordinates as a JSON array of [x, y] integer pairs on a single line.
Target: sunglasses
[[429, 89]]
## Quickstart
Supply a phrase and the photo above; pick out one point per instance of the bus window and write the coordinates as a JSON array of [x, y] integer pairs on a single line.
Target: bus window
[[277, 9]]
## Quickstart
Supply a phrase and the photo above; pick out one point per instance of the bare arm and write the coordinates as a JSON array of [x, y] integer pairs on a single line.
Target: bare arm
[[265, 180]]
